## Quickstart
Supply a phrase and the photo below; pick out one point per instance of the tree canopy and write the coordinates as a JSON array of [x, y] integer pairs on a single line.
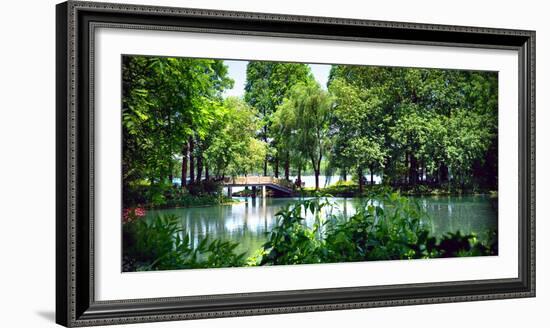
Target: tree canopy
[[173, 112], [415, 125], [267, 85], [407, 126], [302, 125]]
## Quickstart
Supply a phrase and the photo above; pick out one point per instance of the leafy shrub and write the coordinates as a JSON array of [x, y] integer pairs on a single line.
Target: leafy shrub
[[206, 187], [347, 189], [291, 241], [164, 194], [388, 228], [161, 244], [456, 244], [133, 195], [189, 200], [392, 229]]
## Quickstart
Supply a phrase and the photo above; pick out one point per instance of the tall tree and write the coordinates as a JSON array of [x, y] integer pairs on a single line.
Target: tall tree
[[409, 113], [267, 84], [355, 128], [311, 112], [232, 147], [165, 106]]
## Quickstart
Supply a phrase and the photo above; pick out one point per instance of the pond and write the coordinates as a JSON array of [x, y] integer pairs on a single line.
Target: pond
[[248, 221]]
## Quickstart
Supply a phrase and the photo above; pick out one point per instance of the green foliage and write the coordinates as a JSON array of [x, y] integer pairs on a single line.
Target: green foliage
[[291, 241], [407, 123], [267, 85], [175, 121], [233, 149], [165, 102], [468, 141], [197, 194], [420, 130], [389, 228], [357, 129], [339, 189], [302, 122], [161, 244], [377, 232], [189, 200]]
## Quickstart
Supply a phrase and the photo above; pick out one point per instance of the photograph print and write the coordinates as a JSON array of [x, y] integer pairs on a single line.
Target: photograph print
[[234, 163]]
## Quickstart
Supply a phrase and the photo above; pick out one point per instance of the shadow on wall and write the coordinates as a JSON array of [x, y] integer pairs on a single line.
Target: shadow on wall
[[48, 315]]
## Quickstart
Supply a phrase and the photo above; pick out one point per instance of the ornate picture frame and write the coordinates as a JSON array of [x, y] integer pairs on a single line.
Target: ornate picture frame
[[77, 23]]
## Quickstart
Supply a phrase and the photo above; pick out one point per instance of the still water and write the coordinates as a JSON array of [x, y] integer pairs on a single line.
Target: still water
[[248, 221]]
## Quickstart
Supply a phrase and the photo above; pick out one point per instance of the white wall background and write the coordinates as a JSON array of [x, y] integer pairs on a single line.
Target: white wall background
[[27, 162]]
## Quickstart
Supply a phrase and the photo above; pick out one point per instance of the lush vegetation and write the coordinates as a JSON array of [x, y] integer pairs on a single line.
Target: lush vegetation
[[416, 126], [176, 124], [390, 228], [412, 127], [162, 244], [419, 131], [387, 228]]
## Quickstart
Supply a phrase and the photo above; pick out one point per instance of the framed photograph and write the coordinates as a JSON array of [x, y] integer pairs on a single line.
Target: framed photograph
[[214, 163]]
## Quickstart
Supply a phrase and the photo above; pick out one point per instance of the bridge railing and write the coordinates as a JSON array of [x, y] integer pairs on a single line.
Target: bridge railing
[[258, 180], [284, 182], [266, 180]]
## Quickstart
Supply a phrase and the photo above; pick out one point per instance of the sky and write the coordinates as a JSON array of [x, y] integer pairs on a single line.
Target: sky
[[237, 71]]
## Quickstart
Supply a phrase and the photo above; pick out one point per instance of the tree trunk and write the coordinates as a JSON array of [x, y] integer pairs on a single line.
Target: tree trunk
[[345, 174], [371, 175], [287, 167], [413, 170], [199, 168], [443, 175], [191, 161], [299, 178], [184, 153], [265, 140], [407, 166], [316, 179], [361, 179], [317, 170], [277, 166], [206, 173], [170, 171]]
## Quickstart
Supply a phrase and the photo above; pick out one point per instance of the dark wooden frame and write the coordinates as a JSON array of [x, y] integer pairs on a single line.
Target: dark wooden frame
[[75, 303]]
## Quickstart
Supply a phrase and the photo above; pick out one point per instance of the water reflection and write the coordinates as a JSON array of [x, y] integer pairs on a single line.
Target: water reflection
[[248, 221]]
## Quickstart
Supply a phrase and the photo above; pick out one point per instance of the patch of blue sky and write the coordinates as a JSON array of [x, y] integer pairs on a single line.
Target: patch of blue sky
[[237, 72]]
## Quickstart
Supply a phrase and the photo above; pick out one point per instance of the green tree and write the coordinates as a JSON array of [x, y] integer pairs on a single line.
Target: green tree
[[267, 84], [412, 115], [468, 141], [166, 106], [233, 148], [358, 136], [310, 112]]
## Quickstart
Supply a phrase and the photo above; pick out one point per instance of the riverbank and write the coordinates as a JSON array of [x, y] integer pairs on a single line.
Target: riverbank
[[189, 201], [227, 203], [351, 189], [345, 189]]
